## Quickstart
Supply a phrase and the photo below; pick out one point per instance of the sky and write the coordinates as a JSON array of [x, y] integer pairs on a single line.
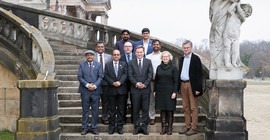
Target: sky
[[189, 19]]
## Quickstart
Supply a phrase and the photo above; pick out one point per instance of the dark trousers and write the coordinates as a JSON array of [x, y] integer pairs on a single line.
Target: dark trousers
[[87, 100], [105, 102], [140, 101], [117, 101]]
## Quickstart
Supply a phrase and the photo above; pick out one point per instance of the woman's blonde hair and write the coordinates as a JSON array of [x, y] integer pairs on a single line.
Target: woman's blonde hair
[[166, 52]]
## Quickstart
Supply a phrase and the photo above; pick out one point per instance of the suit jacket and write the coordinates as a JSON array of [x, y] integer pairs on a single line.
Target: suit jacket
[[123, 57], [106, 59], [110, 77], [119, 45], [145, 77], [85, 77], [195, 73], [149, 50]]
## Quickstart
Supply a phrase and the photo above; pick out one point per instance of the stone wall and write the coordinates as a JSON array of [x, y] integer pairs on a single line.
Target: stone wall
[[9, 99]]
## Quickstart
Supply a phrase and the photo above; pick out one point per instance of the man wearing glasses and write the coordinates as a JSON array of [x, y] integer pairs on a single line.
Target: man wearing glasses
[[145, 42]]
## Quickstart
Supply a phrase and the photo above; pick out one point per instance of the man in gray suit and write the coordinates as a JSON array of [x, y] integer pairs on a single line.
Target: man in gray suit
[[140, 73], [116, 76], [90, 76], [103, 58]]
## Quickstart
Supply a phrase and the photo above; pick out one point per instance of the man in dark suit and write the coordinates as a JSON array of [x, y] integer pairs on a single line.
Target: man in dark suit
[[126, 57], [116, 75], [145, 42], [90, 76], [140, 73], [119, 45], [103, 58], [190, 85]]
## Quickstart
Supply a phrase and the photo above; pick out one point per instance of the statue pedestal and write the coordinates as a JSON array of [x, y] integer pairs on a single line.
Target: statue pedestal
[[225, 74], [225, 120], [39, 110]]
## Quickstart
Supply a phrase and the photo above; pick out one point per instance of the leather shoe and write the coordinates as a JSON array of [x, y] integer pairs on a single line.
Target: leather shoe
[[136, 131], [191, 132], [184, 131], [105, 122], [111, 131], [145, 132], [95, 132], [152, 122], [120, 131], [84, 132]]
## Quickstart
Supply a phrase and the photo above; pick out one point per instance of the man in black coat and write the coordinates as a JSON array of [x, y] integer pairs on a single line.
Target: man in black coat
[[126, 57], [116, 75], [140, 73], [190, 85]]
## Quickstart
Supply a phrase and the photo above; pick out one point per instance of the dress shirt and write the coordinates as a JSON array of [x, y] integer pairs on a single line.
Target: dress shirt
[[155, 59], [103, 59], [130, 56], [117, 65], [89, 70], [139, 61], [145, 45], [185, 68]]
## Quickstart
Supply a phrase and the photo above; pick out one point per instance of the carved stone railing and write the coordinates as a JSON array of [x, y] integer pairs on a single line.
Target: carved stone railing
[[24, 50]]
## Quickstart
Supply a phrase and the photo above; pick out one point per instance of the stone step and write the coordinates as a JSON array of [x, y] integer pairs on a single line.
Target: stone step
[[78, 110], [130, 136], [67, 72], [59, 53], [128, 128], [78, 118], [66, 67], [69, 83], [77, 102], [67, 62], [68, 57], [67, 77], [67, 97], [67, 89]]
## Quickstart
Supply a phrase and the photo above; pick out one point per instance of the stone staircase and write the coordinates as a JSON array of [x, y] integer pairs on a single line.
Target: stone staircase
[[67, 59]]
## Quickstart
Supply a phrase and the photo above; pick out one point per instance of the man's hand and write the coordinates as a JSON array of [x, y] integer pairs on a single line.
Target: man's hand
[[154, 93], [117, 84], [139, 85], [91, 87]]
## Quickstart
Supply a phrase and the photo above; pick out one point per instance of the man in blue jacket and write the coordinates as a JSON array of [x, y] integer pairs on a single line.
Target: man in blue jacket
[[145, 42], [90, 76]]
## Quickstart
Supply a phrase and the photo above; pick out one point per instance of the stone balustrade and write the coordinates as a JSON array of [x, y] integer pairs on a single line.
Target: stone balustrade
[[24, 45]]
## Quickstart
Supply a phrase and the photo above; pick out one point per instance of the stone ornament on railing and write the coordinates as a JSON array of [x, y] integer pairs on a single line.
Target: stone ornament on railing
[[65, 29]]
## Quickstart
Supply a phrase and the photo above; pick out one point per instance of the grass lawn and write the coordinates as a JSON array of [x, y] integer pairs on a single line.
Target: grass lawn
[[6, 135]]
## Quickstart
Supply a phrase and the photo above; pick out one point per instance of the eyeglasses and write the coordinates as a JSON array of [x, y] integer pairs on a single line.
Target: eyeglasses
[[127, 46], [116, 54], [185, 48]]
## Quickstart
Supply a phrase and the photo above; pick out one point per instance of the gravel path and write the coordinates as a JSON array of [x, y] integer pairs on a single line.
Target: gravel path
[[257, 111]]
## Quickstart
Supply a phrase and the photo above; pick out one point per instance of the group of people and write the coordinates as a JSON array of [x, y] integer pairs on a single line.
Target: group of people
[[140, 77]]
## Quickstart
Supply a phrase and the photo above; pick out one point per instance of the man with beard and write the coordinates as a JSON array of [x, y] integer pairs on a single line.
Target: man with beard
[[155, 58], [125, 38]]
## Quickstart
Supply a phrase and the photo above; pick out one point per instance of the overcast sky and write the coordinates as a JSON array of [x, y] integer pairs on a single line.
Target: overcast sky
[[171, 19]]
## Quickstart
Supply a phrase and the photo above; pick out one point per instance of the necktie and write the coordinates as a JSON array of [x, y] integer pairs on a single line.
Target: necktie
[[101, 61], [128, 58], [115, 69], [140, 66], [90, 67]]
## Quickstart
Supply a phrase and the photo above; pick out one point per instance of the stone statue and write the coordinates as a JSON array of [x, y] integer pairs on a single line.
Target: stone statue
[[226, 17]]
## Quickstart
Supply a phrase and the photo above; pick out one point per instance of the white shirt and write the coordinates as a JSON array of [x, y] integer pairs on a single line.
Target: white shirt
[[155, 59], [139, 61], [185, 69], [145, 45], [103, 59]]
